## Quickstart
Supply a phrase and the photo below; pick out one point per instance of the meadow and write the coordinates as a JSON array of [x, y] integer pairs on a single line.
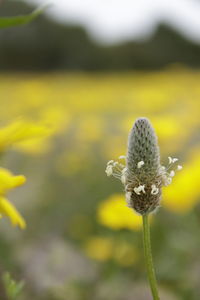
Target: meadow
[[81, 241]]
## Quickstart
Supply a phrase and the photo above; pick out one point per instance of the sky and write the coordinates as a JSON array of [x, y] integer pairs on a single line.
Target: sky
[[111, 21]]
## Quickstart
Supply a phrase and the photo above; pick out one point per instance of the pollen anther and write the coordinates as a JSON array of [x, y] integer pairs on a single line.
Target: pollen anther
[[139, 189], [154, 190], [140, 164], [109, 170]]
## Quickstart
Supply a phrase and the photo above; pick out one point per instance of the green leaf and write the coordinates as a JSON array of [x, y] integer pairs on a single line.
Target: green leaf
[[20, 20], [13, 288]]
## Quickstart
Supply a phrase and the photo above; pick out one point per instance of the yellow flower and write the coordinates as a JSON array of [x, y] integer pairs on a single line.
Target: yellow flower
[[183, 194], [91, 129], [114, 213], [99, 248], [7, 182], [7, 209], [106, 248], [20, 131]]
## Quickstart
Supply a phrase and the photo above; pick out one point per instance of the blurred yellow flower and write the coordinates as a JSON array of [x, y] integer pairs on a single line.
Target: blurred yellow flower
[[19, 131], [184, 193], [106, 248], [114, 213], [34, 146], [99, 248], [71, 163], [7, 182], [55, 118], [167, 127], [91, 129], [7, 209]]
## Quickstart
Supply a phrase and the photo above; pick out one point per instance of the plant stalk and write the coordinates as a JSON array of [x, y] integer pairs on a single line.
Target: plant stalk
[[148, 257], [3, 294]]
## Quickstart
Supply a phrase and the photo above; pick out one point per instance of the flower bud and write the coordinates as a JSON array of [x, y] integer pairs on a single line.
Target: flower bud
[[142, 176], [143, 165]]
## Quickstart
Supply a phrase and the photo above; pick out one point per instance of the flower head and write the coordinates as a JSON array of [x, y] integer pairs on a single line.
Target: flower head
[[142, 175]]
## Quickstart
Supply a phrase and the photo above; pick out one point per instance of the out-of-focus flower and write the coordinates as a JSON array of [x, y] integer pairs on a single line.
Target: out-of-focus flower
[[99, 248], [169, 130], [55, 118], [20, 131], [91, 129], [7, 182], [107, 248], [114, 214], [184, 193], [72, 162], [34, 146]]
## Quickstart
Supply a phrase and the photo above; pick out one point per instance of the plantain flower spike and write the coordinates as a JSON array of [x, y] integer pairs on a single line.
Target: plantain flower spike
[[142, 174]]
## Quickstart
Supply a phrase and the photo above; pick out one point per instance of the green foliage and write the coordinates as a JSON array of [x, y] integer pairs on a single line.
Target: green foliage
[[20, 20], [12, 287]]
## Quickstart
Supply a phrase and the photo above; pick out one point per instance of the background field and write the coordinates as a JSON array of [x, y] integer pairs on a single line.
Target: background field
[[81, 241]]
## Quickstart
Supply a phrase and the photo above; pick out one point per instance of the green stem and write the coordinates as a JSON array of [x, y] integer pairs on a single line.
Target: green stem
[[3, 294], [148, 258]]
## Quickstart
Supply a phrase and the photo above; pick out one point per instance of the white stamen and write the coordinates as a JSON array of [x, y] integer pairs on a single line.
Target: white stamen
[[154, 190], [128, 196], [123, 179], [171, 174], [109, 170], [170, 160], [162, 168], [121, 165], [139, 189], [124, 170], [142, 188], [179, 168], [174, 160], [140, 164], [122, 157], [110, 162]]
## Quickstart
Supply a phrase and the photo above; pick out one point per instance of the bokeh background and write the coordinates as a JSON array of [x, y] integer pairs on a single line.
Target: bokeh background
[[71, 85]]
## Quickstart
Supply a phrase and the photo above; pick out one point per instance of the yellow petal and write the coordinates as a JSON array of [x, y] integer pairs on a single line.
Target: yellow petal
[[183, 194], [9, 181], [18, 180], [6, 208], [21, 130], [114, 214]]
